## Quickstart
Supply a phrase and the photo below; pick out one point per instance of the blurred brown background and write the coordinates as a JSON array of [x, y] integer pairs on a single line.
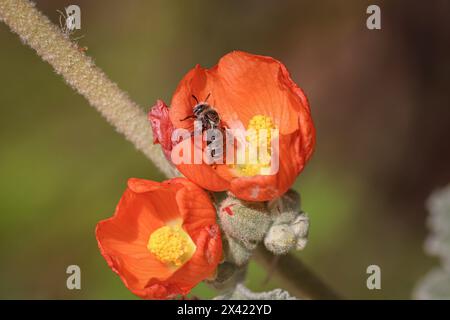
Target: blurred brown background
[[380, 101]]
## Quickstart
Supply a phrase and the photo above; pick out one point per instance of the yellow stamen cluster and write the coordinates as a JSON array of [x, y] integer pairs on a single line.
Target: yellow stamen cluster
[[171, 245], [260, 122], [259, 134]]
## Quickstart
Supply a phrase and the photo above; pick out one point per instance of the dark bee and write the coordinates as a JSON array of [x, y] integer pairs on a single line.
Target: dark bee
[[204, 112]]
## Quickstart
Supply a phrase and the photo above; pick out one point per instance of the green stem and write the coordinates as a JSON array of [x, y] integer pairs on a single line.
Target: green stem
[[297, 278]]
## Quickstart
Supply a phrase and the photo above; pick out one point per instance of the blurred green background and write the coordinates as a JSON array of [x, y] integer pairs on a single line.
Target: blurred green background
[[380, 102]]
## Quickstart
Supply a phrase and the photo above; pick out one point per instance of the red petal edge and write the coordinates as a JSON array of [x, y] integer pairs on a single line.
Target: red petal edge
[[161, 126]]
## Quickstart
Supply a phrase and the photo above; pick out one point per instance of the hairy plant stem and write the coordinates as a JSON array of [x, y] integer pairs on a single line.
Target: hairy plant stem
[[80, 72]]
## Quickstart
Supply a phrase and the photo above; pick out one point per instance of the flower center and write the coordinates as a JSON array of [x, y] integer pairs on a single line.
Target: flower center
[[260, 131], [171, 245]]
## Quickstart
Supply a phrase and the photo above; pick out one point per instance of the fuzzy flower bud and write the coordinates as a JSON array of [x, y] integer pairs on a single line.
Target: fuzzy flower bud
[[280, 239], [277, 223], [288, 235], [245, 222], [244, 225], [290, 201], [289, 228]]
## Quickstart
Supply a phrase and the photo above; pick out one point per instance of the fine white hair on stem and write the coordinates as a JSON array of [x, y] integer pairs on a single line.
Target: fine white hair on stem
[[80, 72]]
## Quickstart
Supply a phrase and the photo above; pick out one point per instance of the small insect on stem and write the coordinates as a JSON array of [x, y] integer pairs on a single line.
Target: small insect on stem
[[64, 23]]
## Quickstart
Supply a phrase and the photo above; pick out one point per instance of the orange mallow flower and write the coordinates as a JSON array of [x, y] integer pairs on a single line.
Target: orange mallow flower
[[249, 92], [163, 238]]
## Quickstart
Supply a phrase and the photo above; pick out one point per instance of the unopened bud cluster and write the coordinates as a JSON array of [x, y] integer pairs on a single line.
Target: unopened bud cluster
[[278, 224]]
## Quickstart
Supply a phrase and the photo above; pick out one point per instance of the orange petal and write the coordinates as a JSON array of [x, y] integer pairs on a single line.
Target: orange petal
[[156, 197], [202, 174], [250, 85], [196, 209], [140, 185], [242, 85], [194, 83], [122, 240], [307, 129], [135, 271], [204, 261], [267, 187]]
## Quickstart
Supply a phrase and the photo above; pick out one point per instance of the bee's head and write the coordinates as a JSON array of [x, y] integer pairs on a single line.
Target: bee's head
[[200, 107]]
